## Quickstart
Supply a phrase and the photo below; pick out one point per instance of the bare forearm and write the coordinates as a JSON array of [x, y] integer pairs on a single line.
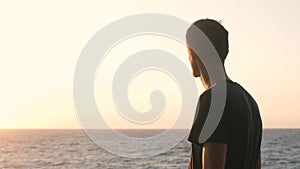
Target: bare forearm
[[258, 166], [214, 156]]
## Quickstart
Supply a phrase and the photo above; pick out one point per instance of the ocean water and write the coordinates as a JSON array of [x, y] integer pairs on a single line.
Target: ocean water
[[59, 149]]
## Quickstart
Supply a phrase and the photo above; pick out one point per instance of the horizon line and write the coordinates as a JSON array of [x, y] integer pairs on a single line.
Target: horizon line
[[122, 128]]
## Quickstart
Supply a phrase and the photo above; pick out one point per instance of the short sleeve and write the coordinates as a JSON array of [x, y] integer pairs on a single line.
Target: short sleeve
[[221, 133]]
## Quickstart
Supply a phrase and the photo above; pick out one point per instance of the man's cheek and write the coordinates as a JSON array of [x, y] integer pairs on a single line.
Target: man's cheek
[[196, 71]]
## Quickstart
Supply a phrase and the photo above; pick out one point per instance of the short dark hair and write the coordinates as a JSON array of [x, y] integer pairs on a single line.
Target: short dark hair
[[215, 32]]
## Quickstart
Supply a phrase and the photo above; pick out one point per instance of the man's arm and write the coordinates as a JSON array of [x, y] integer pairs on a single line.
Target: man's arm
[[214, 156], [258, 166]]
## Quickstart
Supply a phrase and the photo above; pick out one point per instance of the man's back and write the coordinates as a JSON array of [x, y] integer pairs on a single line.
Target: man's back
[[240, 128]]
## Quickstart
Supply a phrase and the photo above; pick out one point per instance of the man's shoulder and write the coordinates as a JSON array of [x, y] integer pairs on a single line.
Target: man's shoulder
[[233, 92]]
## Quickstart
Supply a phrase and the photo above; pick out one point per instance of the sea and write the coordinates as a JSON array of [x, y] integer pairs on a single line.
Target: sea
[[73, 149]]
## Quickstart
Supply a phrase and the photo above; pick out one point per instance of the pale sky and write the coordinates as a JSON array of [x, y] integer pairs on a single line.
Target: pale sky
[[42, 40]]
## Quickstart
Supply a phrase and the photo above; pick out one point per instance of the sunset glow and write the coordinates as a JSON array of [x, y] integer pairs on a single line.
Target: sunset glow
[[41, 42]]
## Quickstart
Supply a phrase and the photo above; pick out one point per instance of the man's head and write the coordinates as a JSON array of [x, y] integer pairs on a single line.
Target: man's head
[[217, 35]]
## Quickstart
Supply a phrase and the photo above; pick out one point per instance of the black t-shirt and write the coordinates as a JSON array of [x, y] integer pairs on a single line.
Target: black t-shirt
[[240, 128]]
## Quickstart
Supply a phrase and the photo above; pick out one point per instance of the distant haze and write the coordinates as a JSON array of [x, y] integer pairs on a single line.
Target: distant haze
[[41, 42]]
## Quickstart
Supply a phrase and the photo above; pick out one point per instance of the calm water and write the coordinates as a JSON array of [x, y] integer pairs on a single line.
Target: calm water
[[58, 149]]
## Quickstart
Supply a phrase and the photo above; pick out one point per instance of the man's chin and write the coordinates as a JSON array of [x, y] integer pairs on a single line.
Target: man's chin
[[196, 74]]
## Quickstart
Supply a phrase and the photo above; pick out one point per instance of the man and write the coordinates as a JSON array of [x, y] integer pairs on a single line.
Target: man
[[235, 142]]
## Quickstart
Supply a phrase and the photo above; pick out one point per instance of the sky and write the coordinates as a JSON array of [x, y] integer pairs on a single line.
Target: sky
[[41, 42]]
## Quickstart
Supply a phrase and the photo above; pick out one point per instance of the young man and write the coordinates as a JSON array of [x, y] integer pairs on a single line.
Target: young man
[[235, 142]]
